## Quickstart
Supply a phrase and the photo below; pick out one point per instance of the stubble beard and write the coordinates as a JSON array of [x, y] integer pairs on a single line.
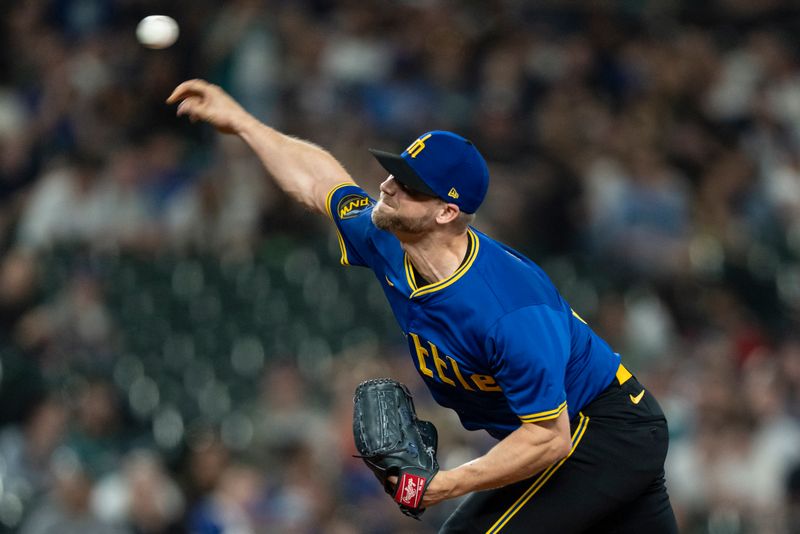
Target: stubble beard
[[391, 222]]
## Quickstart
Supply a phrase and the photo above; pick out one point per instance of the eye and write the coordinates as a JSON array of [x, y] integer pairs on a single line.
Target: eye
[[416, 195], [405, 188]]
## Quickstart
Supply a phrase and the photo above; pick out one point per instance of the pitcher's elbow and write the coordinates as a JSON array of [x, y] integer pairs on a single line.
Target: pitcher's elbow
[[561, 448]]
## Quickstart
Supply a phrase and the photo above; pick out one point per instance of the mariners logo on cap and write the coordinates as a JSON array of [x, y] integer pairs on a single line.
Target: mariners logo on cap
[[417, 146]]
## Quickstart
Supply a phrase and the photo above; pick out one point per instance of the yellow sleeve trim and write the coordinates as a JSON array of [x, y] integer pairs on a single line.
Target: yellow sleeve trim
[[330, 196], [343, 260], [544, 416], [343, 249]]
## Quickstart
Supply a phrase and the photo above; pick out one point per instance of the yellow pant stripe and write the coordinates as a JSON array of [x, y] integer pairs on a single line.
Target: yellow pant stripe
[[541, 479]]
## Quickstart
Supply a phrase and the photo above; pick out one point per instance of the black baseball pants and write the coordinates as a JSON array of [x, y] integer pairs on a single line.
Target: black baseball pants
[[612, 482]]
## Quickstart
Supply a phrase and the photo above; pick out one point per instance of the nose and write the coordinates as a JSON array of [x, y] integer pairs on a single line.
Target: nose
[[388, 186]]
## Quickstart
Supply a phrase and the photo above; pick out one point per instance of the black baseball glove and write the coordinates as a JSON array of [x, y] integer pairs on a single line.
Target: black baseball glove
[[393, 442]]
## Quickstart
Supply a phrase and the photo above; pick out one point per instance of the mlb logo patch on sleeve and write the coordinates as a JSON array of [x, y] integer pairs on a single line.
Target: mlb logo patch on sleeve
[[351, 205]]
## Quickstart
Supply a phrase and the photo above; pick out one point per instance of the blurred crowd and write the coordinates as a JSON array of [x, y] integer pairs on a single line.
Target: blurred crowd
[[646, 154]]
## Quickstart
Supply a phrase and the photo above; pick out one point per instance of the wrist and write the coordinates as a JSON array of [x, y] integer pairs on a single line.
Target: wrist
[[247, 125], [445, 484]]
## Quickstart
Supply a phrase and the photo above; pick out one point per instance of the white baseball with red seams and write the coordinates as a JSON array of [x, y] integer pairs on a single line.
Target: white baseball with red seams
[[157, 31]]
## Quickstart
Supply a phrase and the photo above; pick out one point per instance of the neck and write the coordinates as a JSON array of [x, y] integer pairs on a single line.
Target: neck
[[437, 255]]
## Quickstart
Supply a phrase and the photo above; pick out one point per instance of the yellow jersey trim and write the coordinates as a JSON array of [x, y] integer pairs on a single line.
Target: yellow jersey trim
[[623, 375], [441, 284], [412, 281], [544, 416], [540, 481], [328, 198]]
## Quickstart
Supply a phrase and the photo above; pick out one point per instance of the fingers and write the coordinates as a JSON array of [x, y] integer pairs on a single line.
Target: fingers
[[189, 106], [191, 95], [188, 88], [202, 101]]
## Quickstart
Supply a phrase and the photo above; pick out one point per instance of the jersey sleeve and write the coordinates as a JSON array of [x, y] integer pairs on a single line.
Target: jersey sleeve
[[350, 208], [530, 349]]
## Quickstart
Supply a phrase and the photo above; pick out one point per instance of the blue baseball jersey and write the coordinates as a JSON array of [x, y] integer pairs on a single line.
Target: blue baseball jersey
[[494, 341]]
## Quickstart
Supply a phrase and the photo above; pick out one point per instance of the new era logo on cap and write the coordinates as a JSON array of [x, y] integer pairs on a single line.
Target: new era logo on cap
[[441, 164]]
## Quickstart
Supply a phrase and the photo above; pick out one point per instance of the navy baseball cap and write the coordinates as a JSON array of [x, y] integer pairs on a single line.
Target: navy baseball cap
[[441, 164]]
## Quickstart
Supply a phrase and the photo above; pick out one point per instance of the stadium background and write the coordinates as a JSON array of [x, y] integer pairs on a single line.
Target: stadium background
[[179, 345]]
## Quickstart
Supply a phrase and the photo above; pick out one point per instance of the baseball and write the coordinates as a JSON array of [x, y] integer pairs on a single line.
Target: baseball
[[157, 31]]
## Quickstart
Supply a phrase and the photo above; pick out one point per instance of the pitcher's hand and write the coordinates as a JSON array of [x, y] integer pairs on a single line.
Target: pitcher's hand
[[200, 100], [436, 492]]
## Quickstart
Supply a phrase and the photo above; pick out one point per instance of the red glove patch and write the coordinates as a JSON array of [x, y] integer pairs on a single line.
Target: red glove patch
[[409, 490]]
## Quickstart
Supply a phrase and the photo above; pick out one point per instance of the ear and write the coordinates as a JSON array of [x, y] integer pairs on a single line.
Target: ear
[[447, 213]]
